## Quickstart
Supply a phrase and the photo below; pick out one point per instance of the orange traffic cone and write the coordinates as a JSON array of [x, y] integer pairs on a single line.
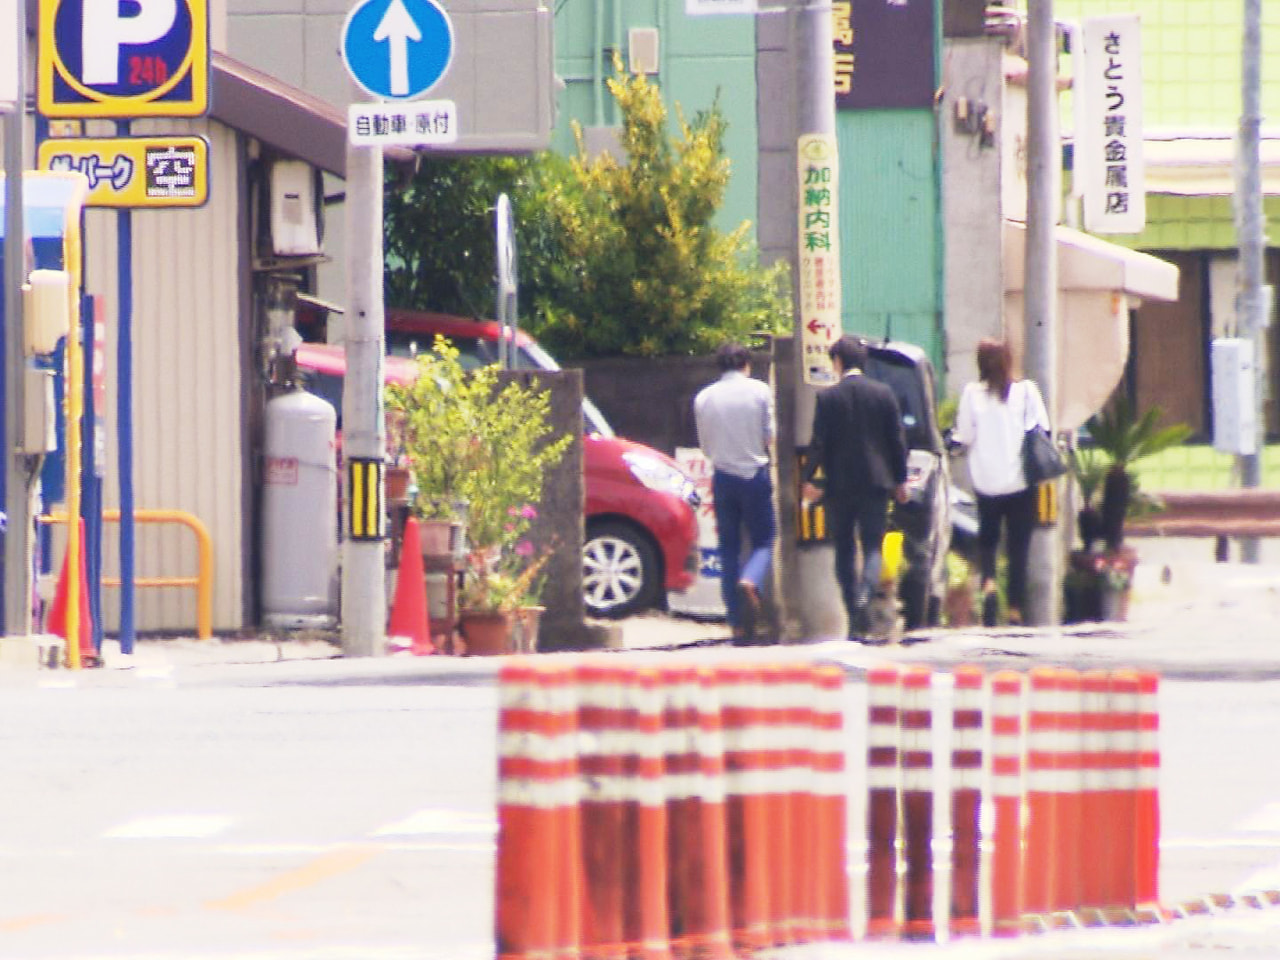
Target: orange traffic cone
[[409, 607], [56, 621]]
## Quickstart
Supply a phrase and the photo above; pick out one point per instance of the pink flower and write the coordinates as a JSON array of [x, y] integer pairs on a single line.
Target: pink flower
[[524, 548], [509, 527], [513, 511], [528, 512]]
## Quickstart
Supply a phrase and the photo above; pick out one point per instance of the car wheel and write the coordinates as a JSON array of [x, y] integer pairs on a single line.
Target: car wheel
[[620, 570]]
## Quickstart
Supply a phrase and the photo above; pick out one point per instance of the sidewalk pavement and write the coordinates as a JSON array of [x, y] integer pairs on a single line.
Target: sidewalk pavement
[[1188, 616]]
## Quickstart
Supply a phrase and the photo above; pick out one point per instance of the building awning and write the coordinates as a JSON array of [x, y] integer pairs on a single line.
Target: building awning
[[1087, 263], [292, 121], [1204, 164]]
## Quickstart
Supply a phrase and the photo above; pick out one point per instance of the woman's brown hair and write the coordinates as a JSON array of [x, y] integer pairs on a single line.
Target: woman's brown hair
[[995, 363]]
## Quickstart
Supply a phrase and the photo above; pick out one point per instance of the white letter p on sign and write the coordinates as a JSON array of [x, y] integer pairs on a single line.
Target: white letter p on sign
[[104, 31]]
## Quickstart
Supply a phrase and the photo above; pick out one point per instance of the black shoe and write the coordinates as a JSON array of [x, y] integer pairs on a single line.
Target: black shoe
[[990, 609], [748, 611]]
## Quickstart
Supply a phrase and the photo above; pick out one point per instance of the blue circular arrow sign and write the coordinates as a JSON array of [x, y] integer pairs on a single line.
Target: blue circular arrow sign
[[397, 48]]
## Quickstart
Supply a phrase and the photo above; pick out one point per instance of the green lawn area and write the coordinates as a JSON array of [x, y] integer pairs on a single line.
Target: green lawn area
[[1200, 467]]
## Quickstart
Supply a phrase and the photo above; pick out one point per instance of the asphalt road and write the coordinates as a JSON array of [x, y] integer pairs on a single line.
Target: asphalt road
[[320, 809]]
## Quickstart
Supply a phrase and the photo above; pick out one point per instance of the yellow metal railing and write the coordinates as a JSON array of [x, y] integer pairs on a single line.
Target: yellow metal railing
[[202, 581]]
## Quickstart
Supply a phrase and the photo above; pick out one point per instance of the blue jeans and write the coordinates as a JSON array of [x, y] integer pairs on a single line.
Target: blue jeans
[[869, 514], [742, 503]]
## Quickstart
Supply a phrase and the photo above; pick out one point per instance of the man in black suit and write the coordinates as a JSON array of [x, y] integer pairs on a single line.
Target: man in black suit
[[859, 445]]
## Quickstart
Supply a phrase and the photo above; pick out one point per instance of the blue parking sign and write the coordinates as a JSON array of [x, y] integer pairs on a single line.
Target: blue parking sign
[[147, 58]]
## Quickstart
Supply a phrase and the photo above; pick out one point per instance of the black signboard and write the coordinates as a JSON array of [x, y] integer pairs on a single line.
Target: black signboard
[[884, 53]]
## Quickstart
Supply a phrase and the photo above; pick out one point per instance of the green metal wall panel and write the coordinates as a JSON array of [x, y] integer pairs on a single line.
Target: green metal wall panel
[[698, 58], [889, 222], [1191, 57], [1193, 223]]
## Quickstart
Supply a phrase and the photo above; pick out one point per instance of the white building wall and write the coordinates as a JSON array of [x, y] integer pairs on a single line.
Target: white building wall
[[186, 388]]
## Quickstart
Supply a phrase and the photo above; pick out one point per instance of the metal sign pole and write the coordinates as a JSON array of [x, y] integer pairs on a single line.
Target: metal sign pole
[[17, 573]]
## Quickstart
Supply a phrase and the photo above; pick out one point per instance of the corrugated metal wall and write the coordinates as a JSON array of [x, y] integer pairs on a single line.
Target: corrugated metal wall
[[889, 226], [186, 387]]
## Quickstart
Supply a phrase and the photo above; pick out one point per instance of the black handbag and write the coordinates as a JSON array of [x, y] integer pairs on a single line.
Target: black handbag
[[1041, 459]]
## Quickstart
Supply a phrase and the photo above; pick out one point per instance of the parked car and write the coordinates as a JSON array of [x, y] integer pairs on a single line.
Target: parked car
[[641, 530], [925, 519]]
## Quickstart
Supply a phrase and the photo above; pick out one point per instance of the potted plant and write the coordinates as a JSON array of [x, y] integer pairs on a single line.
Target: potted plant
[[470, 440], [1097, 584], [498, 600]]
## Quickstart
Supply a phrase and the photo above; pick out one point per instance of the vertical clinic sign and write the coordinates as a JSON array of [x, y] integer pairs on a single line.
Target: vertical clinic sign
[[884, 54], [145, 58], [1108, 149], [819, 254]]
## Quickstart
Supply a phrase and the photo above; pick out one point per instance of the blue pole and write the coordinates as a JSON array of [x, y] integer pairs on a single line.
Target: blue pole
[[124, 412], [90, 482]]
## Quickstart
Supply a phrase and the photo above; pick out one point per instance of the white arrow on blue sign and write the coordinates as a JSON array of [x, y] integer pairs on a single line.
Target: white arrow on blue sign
[[397, 48]]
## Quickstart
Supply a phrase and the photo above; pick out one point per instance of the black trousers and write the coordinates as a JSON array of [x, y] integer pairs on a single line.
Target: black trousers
[[869, 514], [1017, 513]]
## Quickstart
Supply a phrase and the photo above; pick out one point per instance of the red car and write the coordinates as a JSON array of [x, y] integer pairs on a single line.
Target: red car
[[641, 530]]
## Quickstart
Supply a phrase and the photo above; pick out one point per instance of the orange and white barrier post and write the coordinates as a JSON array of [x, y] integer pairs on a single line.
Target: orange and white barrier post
[[1147, 827], [746, 808], [915, 721], [1006, 789], [1068, 811], [882, 801], [1122, 770], [1097, 846], [1039, 860], [605, 791], [694, 778], [786, 855], [831, 903], [538, 876], [646, 924], [966, 799]]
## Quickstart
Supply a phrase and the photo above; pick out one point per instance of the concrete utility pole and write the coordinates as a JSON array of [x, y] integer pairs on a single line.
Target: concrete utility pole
[[364, 593], [17, 506], [808, 583], [1253, 300], [1044, 580]]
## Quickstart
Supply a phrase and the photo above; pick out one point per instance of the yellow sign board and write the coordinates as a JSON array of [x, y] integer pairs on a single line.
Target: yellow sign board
[[99, 58], [134, 171]]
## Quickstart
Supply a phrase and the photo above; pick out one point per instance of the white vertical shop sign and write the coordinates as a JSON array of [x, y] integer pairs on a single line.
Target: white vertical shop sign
[[1109, 150], [819, 256], [703, 599], [8, 53]]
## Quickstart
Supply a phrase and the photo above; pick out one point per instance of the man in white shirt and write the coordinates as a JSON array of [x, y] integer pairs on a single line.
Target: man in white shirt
[[735, 421]]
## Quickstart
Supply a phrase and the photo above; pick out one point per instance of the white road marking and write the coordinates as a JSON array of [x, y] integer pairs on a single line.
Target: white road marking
[[436, 820], [170, 827]]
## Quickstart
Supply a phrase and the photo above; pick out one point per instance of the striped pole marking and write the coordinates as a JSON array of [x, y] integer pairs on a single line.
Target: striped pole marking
[[1147, 828], [646, 925], [966, 797], [790, 690], [882, 801], [1006, 789], [915, 721], [830, 788], [1098, 843], [1068, 812], [746, 808], [605, 742], [1122, 770], [1039, 859], [698, 901], [538, 876]]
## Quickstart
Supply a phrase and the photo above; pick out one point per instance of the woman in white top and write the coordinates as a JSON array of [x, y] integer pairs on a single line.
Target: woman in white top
[[994, 415]]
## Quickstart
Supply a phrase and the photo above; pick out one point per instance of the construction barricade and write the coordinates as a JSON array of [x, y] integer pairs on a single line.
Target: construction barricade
[[669, 812], [664, 810]]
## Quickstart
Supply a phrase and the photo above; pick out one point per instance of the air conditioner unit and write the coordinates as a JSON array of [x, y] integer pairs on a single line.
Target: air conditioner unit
[[294, 223], [642, 47]]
